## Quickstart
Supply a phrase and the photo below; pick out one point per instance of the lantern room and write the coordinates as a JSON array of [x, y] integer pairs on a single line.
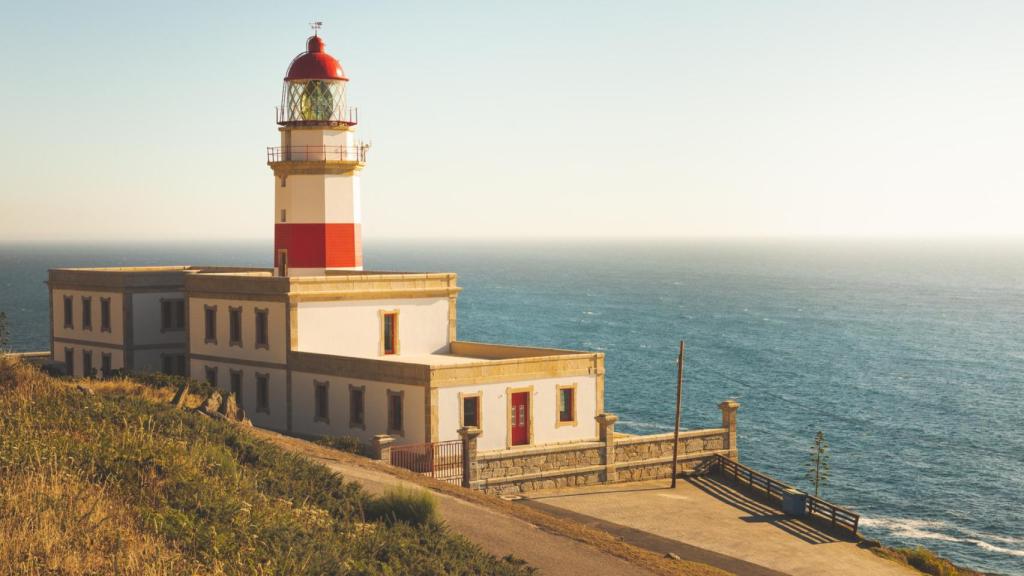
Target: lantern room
[[314, 90]]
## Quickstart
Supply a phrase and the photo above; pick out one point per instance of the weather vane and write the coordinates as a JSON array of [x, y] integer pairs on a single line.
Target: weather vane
[[316, 25]]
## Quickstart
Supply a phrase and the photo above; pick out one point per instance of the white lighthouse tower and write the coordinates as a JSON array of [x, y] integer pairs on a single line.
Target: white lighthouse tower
[[316, 169]]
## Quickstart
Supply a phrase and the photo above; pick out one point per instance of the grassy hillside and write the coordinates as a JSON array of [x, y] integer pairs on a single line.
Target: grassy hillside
[[120, 482]]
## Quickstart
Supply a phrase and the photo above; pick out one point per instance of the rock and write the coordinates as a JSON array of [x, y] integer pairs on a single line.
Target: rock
[[230, 409], [85, 390], [211, 404], [227, 405], [673, 556], [179, 396]]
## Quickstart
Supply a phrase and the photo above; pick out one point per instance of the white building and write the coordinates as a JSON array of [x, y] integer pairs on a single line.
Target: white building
[[317, 346]]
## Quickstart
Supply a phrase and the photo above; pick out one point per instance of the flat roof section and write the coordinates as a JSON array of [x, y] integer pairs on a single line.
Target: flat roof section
[[355, 285], [129, 277], [467, 363]]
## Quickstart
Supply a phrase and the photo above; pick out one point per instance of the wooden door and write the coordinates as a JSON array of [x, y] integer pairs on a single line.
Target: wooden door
[[520, 418]]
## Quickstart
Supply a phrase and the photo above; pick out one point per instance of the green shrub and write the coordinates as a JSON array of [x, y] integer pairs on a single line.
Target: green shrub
[[343, 443], [159, 380], [926, 561], [401, 504]]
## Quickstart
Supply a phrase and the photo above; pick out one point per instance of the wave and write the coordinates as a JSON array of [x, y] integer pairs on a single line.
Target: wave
[[915, 529]]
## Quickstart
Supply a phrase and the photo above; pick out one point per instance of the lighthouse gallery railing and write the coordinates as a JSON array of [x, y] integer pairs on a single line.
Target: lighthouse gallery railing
[[355, 153]]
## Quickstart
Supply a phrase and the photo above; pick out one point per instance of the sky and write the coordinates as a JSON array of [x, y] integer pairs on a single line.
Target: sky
[[148, 121]]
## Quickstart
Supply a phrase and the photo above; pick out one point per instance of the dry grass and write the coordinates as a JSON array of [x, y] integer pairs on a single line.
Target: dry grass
[[106, 477], [54, 521]]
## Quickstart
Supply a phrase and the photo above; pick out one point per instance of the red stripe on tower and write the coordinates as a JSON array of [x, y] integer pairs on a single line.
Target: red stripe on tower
[[320, 245]]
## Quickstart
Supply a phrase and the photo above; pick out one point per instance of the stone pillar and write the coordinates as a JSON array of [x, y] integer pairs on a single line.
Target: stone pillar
[[382, 447], [729, 408], [606, 427], [469, 469]]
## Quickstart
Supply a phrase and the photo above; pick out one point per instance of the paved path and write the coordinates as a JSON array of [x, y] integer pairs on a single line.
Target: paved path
[[497, 533], [709, 521]]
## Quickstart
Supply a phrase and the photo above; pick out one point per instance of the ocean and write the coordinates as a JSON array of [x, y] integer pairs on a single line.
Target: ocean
[[909, 356]]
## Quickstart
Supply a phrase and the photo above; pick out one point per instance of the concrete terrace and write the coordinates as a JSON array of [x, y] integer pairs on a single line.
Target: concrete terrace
[[707, 520]]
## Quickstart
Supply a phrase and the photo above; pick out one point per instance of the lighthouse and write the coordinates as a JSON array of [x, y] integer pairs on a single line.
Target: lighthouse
[[316, 169]]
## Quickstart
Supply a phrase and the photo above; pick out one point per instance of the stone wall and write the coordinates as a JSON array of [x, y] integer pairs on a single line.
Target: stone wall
[[615, 458]]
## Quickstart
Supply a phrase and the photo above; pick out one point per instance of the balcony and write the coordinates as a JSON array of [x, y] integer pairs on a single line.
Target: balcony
[[319, 154]]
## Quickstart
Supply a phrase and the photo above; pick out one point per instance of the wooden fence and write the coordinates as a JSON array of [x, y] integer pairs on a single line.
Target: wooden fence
[[836, 516]]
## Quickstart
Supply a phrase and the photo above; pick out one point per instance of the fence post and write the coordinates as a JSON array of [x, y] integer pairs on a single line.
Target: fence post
[[606, 425], [729, 408], [382, 447], [469, 469]]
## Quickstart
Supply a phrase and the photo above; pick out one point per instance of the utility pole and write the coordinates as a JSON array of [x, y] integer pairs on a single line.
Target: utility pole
[[679, 403]]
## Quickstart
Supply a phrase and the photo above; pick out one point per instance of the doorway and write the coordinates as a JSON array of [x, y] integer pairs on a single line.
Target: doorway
[[520, 418]]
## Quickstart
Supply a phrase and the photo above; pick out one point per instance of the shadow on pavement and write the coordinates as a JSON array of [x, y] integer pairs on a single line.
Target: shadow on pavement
[[760, 511]]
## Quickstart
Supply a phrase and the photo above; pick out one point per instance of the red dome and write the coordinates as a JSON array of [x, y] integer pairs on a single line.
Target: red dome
[[315, 64]]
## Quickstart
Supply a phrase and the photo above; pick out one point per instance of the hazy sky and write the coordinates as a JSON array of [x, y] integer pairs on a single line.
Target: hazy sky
[[149, 120]]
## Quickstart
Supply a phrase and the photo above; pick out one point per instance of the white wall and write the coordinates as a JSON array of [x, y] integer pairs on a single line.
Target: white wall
[[494, 411], [147, 320], [151, 360], [276, 353], [116, 334], [324, 137], [314, 198], [375, 406], [352, 328], [277, 418], [116, 357]]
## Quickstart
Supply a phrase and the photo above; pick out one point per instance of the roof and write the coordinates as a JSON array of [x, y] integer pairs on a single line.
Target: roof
[[465, 363], [315, 64], [129, 277]]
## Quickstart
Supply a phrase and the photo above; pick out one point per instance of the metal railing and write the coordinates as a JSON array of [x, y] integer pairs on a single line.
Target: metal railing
[[836, 516], [441, 460], [338, 117], [355, 153]]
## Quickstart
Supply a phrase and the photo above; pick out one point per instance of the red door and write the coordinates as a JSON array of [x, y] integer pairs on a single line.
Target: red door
[[520, 417]]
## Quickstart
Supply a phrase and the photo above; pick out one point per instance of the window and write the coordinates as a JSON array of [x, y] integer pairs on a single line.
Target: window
[[211, 375], [263, 393], [172, 315], [173, 364], [282, 262], [69, 312], [262, 337], [210, 318], [69, 359], [389, 332], [395, 413], [566, 405], [284, 215], [235, 326], [356, 406], [104, 314], [236, 385], [87, 363], [320, 413], [470, 409], [86, 313], [105, 364]]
